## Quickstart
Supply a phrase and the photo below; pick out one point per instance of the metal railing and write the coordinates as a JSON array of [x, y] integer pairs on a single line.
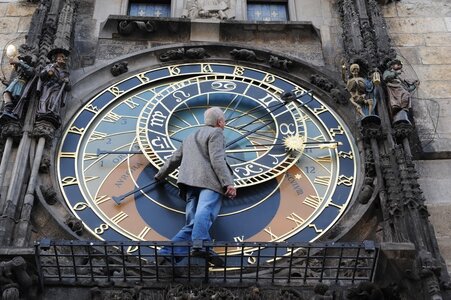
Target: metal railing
[[91, 262]]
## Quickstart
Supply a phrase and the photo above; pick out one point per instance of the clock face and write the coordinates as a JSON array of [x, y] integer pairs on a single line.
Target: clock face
[[294, 162]]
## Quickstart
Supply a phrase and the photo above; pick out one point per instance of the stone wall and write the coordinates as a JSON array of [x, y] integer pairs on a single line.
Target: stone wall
[[15, 18], [421, 32]]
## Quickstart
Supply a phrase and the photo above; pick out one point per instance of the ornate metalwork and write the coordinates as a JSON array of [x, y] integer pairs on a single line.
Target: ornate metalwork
[[84, 261]]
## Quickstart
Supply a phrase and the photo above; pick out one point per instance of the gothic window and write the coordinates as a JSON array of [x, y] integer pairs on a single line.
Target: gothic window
[[150, 8], [264, 10]]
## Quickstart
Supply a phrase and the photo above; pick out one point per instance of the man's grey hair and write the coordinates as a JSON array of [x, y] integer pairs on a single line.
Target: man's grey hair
[[213, 115]]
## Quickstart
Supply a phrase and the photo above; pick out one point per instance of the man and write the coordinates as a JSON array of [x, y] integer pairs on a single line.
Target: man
[[53, 84], [399, 90], [17, 87], [204, 177]]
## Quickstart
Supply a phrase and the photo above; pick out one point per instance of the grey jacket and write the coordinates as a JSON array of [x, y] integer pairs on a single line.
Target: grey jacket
[[202, 162]]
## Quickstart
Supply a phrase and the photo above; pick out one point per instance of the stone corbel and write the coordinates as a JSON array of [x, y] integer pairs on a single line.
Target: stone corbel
[[127, 27]]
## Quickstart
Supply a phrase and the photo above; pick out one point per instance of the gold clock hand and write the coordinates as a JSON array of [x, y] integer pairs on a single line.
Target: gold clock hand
[[118, 199]]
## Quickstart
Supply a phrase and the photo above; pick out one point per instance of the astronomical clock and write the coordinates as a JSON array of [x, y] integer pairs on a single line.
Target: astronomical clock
[[294, 160]]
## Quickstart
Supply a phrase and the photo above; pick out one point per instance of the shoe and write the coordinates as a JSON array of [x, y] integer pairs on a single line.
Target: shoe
[[212, 257]]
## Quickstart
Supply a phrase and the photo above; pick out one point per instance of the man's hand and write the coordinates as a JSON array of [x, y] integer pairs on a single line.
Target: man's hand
[[231, 191]]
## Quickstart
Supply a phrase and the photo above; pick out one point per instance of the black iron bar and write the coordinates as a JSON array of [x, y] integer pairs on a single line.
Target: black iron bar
[[290, 264], [274, 263], [140, 263], [123, 263], [306, 264], [107, 265], [57, 262], [258, 263], [90, 262], [355, 265]]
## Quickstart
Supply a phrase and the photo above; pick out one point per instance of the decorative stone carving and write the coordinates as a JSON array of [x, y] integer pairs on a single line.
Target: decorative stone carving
[[11, 128], [45, 164], [322, 292], [119, 68], [49, 194], [209, 9], [124, 294], [365, 33], [279, 63], [181, 53], [19, 87], [44, 128], [326, 85], [53, 86], [367, 191], [361, 90], [174, 54], [399, 91], [127, 27], [429, 272], [196, 53], [76, 225], [65, 24], [15, 281], [365, 291], [244, 54], [402, 130]]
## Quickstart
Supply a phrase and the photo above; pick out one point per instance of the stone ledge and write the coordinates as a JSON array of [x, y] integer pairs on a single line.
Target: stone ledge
[[17, 251]]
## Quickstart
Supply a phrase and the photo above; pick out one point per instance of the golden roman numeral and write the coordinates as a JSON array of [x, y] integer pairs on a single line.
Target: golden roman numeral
[[323, 180], [76, 130], [340, 207], [238, 239], [296, 219], [273, 236], [144, 232], [348, 181], [97, 135], [119, 217], [312, 201], [141, 236], [130, 103], [68, 155], [101, 199], [112, 117], [90, 156]]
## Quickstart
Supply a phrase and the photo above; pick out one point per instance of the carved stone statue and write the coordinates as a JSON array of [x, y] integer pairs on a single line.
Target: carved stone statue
[[19, 87], [399, 90], [53, 85], [208, 9], [15, 280], [361, 90], [244, 54]]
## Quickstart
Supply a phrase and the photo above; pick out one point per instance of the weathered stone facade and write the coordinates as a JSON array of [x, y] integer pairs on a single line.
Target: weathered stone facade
[[421, 33]]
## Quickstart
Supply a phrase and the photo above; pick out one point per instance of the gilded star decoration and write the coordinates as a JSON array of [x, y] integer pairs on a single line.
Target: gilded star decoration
[[294, 143]]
